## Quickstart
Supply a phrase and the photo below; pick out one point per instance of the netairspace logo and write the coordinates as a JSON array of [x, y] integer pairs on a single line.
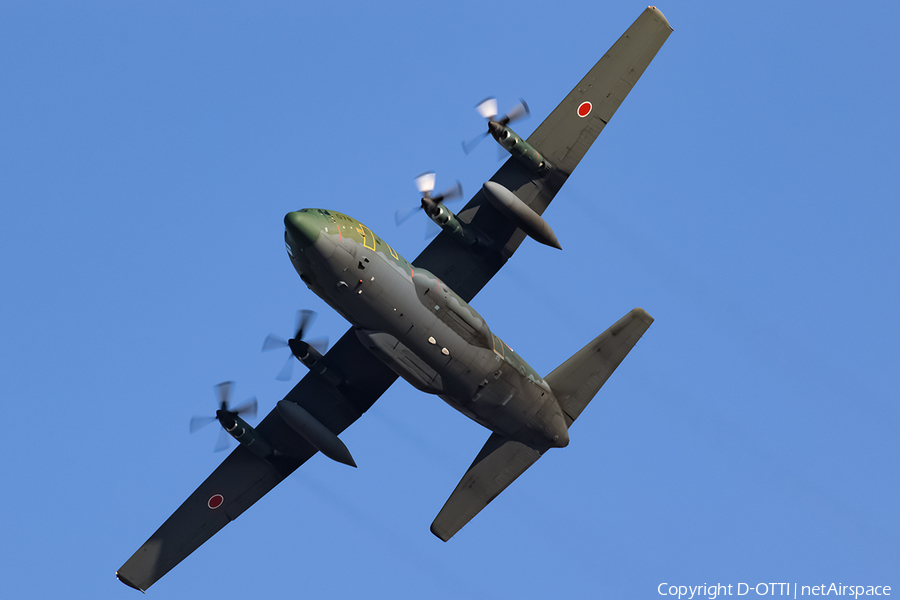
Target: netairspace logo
[[713, 591]]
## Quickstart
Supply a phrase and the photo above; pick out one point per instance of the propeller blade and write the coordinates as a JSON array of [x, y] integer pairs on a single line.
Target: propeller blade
[[223, 393], [487, 108], [248, 407], [402, 216], [273, 342], [470, 145], [425, 182], [304, 320], [518, 111], [200, 422], [223, 442], [285, 373], [431, 230], [449, 193], [320, 344]]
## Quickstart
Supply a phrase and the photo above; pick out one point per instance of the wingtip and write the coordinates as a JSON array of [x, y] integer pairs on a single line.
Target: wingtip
[[662, 17], [643, 315], [441, 535], [127, 582]]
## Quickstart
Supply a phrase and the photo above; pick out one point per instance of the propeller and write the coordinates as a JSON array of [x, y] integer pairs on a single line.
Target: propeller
[[225, 415], [425, 185], [487, 108], [273, 342]]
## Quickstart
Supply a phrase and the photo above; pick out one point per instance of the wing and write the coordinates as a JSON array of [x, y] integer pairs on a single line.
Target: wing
[[563, 138], [243, 478]]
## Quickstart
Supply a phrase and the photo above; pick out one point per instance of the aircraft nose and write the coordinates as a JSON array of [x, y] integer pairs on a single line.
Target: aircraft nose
[[302, 227]]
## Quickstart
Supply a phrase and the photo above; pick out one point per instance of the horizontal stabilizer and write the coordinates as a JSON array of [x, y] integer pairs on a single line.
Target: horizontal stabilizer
[[498, 464], [577, 381]]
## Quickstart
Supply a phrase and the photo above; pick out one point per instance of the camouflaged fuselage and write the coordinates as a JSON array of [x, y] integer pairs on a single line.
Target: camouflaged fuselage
[[421, 328]]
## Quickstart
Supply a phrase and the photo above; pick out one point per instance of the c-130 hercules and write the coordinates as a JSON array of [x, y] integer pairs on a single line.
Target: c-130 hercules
[[413, 320]]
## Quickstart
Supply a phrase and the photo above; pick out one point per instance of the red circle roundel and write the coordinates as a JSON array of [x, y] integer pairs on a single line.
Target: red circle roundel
[[216, 501], [584, 109]]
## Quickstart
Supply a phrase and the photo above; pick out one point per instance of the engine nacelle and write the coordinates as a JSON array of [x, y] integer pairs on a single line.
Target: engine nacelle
[[446, 220], [315, 362], [244, 434], [519, 148]]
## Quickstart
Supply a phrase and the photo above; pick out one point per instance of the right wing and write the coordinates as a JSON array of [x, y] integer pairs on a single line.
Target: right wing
[[243, 478]]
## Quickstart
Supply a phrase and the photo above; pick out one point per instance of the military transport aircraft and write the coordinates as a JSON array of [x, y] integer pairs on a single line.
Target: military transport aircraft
[[413, 320]]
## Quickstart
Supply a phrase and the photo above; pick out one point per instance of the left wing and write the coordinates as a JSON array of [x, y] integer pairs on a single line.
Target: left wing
[[563, 138], [243, 478]]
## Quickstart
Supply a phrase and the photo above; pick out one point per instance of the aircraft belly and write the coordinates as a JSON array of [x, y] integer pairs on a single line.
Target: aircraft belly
[[417, 327], [440, 353], [352, 282], [508, 401], [401, 360], [472, 380]]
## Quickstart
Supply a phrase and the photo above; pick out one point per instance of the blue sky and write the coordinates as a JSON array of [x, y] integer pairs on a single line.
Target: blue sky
[[744, 194]]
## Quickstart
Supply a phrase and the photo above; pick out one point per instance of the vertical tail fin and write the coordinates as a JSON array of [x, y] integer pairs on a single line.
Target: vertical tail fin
[[577, 381]]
